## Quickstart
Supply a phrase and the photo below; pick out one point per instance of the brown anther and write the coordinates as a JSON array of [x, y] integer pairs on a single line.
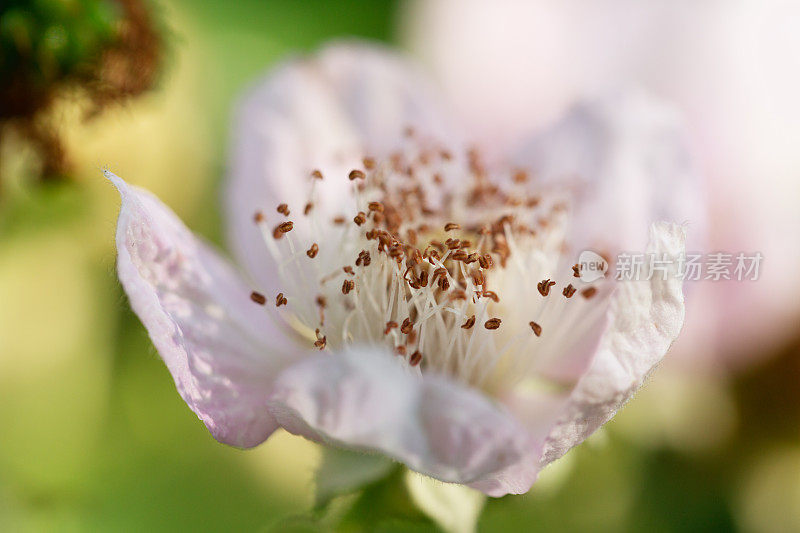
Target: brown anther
[[544, 286], [537, 329], [280, 300], [313, 251], [437, 179], [492, 323], [486, 261], [348, 270], [347, 286], [469, 323], [478, 278], [406, 326], [452, 244], [408, 131], [485, 230], [576, 270], [360, 218], [363, 258], [459, 255], [356, 175], [258, 217], [450, 226], [588, 292], [282, 228], [415, 358], [376, 207], [444, 283], [283, 209], [411, 237], [400, 350], [491, 295], [322, 301], [307, 209], [520, 176], [258, 298], [423, 278], [471, 258], [441, 271], [338, 220], [569, 290], [316, 174], [369, 163], [321, 343], [446, 155], [389, 327]]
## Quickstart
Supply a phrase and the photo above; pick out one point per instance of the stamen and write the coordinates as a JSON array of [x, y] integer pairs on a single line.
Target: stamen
[[347, 286], [492, 323], [421, 287], [588, 292], [356, 175], [281, 229], [544, 286], [258, 298]]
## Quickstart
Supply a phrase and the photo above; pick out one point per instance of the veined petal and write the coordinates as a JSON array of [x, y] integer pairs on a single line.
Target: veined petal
[[322, 113], [222, 349], [365, 398], [626, 150], [645, 318]]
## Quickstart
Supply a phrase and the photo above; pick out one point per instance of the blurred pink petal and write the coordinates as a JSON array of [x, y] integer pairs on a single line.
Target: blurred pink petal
[[363, 398], [625, 149], [222, 355]]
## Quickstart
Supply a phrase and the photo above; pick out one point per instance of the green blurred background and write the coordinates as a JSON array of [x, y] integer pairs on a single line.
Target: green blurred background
[[93, 435]]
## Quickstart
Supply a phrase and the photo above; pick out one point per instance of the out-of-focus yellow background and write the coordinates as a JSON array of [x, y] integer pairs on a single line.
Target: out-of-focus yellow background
[[93, 435]]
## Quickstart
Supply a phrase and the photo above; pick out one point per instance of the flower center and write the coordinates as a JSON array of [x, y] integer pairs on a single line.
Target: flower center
[[448, 265]]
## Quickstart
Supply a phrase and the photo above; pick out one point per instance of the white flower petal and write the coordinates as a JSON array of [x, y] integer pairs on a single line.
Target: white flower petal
[[627, 156], [366, 399], [645, 318], [222, 349]]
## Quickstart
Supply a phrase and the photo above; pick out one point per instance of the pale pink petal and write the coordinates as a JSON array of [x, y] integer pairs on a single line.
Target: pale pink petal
[[625, 150], [538, 403], [645, 318], [325, 112], [367, 399], [222, 349]]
